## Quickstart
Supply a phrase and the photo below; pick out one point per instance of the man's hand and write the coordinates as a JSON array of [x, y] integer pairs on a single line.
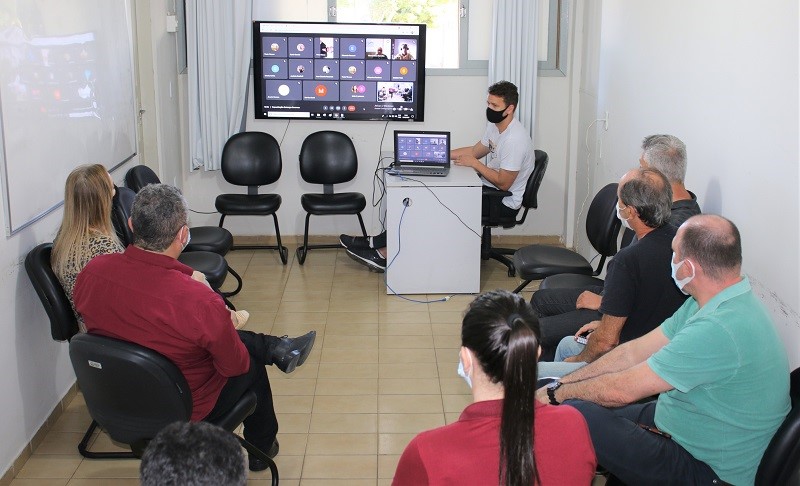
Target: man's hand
[[541, 395], [588, 300], [589, 326], [467, 161]]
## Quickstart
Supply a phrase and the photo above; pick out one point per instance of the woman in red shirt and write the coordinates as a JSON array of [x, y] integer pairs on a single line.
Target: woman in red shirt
[[506, 436]]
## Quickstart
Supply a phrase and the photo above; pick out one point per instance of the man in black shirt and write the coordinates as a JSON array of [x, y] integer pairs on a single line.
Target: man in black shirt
[[639, 292]]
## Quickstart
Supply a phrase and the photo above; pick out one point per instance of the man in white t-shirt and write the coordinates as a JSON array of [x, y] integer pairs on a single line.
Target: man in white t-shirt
[[509, 154]]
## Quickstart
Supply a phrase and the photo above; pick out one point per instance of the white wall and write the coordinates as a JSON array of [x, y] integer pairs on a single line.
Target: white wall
[[723, 76]]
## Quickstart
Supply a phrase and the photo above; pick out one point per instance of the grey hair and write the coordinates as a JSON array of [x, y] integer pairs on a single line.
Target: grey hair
[[666, 153], [650, 193], [159, 211]]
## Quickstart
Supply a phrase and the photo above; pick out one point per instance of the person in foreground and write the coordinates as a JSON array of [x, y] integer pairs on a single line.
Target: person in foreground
[[505, 436], [717, 365], [86, 231], [193, 454], [510, 159], [147, 297]]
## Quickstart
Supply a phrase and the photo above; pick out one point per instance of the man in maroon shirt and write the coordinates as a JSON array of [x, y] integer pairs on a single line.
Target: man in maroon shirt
[[146, 296]]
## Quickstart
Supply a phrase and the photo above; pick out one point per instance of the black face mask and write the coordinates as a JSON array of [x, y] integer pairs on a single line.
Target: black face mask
[[495, 116]]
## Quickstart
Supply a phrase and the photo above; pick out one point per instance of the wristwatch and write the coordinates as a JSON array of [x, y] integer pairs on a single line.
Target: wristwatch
[[551, 392]]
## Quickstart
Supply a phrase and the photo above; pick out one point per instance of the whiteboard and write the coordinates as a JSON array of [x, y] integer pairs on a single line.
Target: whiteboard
[[66, 98]]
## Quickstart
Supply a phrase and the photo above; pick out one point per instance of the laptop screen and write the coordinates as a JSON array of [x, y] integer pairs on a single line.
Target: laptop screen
[[422, 148]]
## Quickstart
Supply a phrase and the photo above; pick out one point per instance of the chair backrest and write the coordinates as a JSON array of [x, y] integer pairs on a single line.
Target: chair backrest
[[251, 159], [63, 324], [131, 391], [602, 224], [121, 207], [328, 158], [781, 461], [529, 197], [139, 176]]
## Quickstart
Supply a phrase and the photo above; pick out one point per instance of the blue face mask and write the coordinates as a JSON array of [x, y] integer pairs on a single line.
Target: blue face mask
[[681, 283], [462, 373]]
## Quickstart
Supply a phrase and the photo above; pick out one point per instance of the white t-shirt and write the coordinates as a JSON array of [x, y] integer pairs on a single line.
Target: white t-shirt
[[511, 150]]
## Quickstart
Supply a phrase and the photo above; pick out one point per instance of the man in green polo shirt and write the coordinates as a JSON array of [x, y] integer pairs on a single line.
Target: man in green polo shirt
[[717, 365]]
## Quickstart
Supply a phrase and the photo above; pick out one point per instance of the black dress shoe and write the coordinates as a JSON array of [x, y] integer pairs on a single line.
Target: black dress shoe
[[293, 352], [257, 464]]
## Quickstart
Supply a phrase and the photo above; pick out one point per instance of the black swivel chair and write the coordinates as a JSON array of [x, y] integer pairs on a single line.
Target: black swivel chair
[[492, 220], [781, 461], [203, 238], [535, 262], [252, 159], [212, 265], [328, 158], [128, 407]]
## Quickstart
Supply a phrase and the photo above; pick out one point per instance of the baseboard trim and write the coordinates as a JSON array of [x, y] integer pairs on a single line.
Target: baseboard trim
[[39, 436]]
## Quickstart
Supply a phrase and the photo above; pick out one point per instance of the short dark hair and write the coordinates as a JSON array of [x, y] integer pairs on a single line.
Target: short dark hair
[[193, 453], [650, 193], [506, 90], [159, 211], [502, 331], [713, 242]]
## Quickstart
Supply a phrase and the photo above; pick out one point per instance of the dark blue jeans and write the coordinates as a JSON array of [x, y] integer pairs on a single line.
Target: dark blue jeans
[[635, 455]]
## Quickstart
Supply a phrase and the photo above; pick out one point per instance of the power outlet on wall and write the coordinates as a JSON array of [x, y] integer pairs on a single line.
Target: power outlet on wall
[[605, 122]]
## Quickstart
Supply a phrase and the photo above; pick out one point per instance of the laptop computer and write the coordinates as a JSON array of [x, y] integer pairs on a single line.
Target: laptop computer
[[421, 153]]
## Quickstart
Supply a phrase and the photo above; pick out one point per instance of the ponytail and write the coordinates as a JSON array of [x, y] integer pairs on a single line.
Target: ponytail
[[517, 462]]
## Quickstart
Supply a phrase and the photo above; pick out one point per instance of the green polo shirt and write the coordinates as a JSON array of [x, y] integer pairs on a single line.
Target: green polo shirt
[[730, 376]]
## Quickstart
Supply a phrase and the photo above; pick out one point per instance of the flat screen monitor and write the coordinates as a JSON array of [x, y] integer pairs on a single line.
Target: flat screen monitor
[[339, 71]]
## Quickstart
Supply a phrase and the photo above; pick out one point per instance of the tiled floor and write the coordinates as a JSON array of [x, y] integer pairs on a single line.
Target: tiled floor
[[382, 369]]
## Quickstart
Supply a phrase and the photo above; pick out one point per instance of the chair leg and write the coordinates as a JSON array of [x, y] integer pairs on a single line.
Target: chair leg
[[238, 284], [495, 255], [273, 468], [303, 250], [486, 242], [522, 286], [361, 222], [282, 250], [83, 447]]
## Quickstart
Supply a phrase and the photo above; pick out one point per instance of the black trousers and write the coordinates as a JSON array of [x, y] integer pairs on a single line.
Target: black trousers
[[558, 316], [635, 455], [261, 427]]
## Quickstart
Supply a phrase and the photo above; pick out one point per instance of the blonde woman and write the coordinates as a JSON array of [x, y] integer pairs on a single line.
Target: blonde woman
[[86, 230]]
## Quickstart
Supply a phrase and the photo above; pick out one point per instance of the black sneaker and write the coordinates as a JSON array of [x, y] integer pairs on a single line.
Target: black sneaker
[[255, 464], [354, 242], [293, 352], [369, 257]]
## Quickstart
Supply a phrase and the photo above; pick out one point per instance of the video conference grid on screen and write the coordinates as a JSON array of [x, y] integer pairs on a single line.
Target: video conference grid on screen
[[422, 147], [339, 71]]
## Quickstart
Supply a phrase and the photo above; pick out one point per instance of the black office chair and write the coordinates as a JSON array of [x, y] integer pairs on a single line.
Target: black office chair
[[203, 238], [252, 159], [781, 461], [493, 220], [535, 262], [328, 158], [133, 392], [63, 324], [212, 265]]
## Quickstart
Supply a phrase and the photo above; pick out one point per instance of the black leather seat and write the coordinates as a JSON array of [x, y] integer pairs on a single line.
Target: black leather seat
[[203, 238], [781, 461], [535, 262], [493, 220], [63, 324], [328, 158], [212, 265], [252, 159]]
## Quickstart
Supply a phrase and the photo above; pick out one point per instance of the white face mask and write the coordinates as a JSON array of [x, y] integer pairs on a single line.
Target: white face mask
[[462, 373], [675, 267], [624, 221], [188, 238]]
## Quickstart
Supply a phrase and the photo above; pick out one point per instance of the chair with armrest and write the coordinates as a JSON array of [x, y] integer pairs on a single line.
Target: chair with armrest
[[212, 265], [252, 159], [535, 262], [212, 239], [494, 220], [132, 392], [328, 158], [781, 461]]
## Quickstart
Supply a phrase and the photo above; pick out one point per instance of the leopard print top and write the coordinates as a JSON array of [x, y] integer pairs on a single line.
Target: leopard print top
[[98, 244]]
